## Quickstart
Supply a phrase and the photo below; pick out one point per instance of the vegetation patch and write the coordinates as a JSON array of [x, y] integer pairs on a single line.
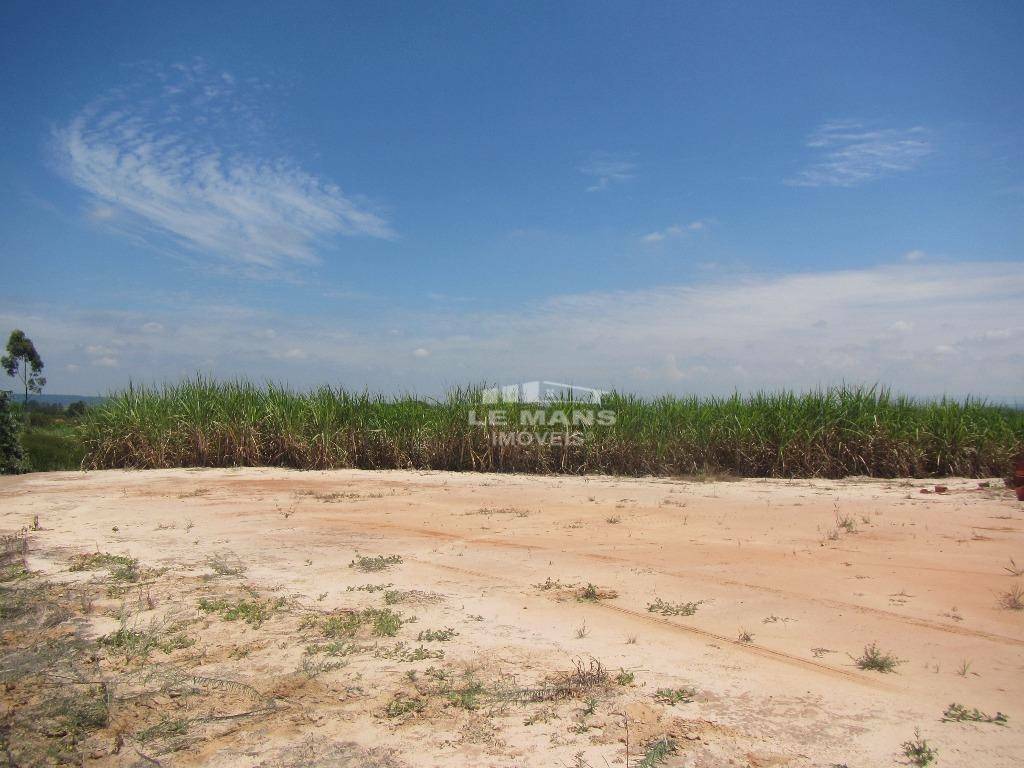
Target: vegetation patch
[[136, 644], [121, 567], [875, 659], [673, 696], [437, 635], [383, 622], [226, 564], [918, 751], [674, 609], [833, 432], [378, 563], [591, 594], [1013, 598], [253, 612], [400, 706], [165, 729], [656, 753], [959, 713], [402, 652]]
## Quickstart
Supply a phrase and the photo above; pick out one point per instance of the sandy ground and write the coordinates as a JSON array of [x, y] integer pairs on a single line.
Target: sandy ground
[[503, 560]]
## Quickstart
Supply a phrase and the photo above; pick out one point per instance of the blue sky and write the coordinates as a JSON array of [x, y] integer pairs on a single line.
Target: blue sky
[[403, 197]]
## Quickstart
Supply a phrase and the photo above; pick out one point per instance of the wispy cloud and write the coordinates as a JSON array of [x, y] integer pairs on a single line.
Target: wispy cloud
[[675, 231], [161, 159], [849, 153], [606, 169], [922, 328]]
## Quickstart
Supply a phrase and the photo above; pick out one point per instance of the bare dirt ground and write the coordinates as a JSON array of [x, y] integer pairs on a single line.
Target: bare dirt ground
[[246, 619]]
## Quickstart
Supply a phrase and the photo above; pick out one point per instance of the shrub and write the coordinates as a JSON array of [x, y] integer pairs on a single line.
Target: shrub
[[12, 457]]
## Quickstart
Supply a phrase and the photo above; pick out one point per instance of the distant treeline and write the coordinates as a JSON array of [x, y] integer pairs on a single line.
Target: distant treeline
[[829, 433]]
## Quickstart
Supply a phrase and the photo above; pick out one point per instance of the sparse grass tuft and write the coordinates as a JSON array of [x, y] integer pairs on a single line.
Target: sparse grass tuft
[[549, 584], [81, 712], [846, 522], [875, 659], [625, 678], [1013, 569], [226, 564], [744, 637], [165, 729], [1013, 598], [121, 567], [135, 643]]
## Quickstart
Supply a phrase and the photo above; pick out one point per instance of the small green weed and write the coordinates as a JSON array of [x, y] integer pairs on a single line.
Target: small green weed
[[437, 635], [253, 612], [959, 713], [918, 751], [404, 705], [673, 696], [656, 753], [875, 659]]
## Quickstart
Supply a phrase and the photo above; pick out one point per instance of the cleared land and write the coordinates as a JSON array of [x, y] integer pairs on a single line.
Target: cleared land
[[264, 617]]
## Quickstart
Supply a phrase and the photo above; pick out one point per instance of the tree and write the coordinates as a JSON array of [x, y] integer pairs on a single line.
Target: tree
[[12, 457], [22, 358], [77, 408]]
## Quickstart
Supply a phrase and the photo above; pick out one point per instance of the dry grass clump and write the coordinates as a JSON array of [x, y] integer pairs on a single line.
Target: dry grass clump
[[1013, 598], [826, 433], [592, 593]]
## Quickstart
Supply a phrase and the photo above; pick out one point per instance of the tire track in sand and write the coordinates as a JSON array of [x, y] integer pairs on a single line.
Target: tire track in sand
[[643, 616], [719, 580]]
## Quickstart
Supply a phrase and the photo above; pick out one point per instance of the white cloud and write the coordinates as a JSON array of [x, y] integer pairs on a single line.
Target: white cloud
[[674, 231], [153, 327], [922, 328], [101, 213], [914, 255], [178, 168], [850, 154], [606, 169]]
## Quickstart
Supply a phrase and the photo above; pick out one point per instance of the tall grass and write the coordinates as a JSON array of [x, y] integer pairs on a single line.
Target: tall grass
[[829, 433]]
